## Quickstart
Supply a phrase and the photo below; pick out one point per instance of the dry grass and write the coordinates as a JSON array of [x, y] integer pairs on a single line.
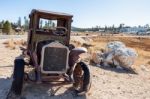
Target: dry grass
[[12, 44], [148, 62]]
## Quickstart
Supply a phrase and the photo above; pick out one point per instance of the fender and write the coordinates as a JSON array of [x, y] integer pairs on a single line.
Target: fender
[[74, 55]]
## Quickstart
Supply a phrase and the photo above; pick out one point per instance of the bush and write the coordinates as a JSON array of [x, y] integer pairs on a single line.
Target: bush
[[6, 27]]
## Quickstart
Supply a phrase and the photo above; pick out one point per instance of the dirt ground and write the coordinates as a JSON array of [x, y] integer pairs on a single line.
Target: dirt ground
[[107, 83]]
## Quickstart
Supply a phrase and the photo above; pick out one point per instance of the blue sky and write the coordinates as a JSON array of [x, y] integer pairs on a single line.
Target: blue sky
[[87, 13]]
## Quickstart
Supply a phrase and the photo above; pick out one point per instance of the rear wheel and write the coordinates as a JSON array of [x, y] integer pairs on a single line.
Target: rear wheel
[[82, 78], [18, 76]]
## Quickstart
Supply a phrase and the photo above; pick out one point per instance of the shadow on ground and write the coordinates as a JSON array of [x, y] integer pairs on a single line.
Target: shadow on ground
[[5, 84], [35, 91], [5, 66], [119, 70], [44, 91], [123, 70]]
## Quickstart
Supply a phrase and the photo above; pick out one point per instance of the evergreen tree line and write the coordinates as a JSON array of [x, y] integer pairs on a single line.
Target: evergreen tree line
[[7, 27], [46, 24], [99, 28]]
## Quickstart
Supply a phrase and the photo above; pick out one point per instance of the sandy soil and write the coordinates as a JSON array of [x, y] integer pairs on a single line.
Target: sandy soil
[[107, 83]]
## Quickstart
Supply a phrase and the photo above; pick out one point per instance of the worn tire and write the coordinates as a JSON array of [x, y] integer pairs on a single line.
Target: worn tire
[[85, 81], [18, 76]]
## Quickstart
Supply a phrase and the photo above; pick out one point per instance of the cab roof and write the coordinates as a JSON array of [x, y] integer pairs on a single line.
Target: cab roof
[[37, 11]]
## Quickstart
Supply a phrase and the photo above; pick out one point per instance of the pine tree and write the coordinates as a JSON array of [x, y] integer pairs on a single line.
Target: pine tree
[[46, 25], [53, 24], [50, 23], [26, 24], [14, 25], [1, 24], [19, 22], [113, 28], [6, 27], [120, 26], [105, 29]]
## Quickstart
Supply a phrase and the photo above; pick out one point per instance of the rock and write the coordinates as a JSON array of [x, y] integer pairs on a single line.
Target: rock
[[87, 39], [96, 58], [124, 57], [119, 55], [116, 55], [118, 67], [148, 62], [118, 87], [98, 65], [144, 68], [78, 40], [114, 45]]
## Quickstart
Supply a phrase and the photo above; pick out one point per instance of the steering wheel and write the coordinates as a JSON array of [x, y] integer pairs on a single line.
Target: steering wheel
[[60, 31]]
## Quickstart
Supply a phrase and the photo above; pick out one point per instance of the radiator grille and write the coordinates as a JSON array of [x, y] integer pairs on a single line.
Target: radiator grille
[[55, 59]]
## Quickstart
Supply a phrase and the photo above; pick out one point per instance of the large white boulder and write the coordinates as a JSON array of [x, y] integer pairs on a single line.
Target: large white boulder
[[114, 45], [117, 54], [123, 57]]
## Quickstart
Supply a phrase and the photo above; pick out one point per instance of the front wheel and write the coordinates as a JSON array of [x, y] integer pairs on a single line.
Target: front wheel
[[18, 76], [82, 78]]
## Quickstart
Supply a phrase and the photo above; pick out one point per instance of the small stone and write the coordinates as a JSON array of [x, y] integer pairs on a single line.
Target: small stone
[[118, 87], [94, 75], [119, 67], [98, 65], [103, 82]]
